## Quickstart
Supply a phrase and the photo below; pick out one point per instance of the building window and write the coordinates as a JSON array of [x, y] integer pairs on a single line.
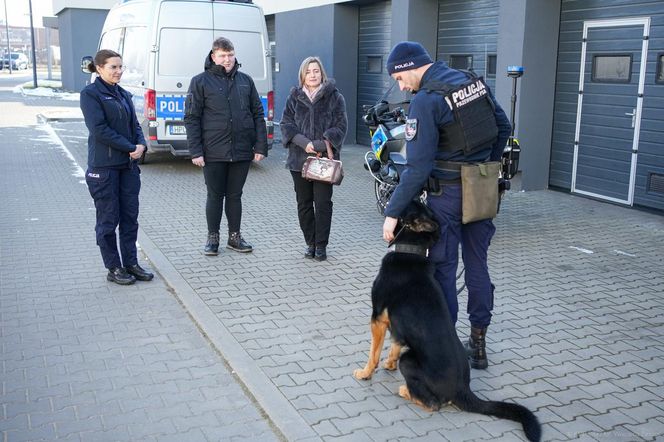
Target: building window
[[461, 61], [660, 69], [374, 64], [491, 66], [614, 68]]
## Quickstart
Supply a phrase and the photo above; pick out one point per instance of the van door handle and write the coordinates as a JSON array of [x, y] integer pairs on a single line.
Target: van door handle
[[633, 115]]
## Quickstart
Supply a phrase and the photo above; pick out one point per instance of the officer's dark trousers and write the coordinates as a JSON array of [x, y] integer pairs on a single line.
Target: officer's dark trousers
[[224, 181], [314, 209], [474, 239], [115, 192]]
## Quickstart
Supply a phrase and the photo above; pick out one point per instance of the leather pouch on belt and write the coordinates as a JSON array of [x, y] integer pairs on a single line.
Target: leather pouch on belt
[[479, 188]]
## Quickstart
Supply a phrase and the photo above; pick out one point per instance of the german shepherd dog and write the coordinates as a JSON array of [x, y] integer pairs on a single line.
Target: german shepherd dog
[[407, 300]]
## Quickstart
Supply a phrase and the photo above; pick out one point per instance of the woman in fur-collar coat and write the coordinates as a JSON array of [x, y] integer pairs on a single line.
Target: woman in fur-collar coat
[[314, 121]]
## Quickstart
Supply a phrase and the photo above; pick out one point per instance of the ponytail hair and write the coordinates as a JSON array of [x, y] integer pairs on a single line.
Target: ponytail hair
[[100, 59]]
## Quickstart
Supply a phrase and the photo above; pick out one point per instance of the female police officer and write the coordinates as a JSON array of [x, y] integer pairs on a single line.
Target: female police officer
[[433, 151], [115, 143]]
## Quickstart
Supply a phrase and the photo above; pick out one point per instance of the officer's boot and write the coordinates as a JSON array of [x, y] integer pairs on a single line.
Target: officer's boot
[[237, 243], [212, 245], [476, 348]]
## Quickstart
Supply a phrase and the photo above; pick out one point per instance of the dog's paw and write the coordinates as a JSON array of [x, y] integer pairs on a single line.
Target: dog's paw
[[390, 364], [362, 374], [404, 393]]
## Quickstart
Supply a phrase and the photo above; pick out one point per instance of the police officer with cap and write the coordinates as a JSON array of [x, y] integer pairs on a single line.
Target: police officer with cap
[[435, 151]]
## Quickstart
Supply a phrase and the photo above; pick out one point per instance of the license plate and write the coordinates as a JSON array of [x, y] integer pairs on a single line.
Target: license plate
[[178, 129]]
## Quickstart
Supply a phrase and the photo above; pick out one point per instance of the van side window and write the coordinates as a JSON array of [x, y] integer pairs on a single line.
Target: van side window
[[134, 56], [193, 45], [112, 40]]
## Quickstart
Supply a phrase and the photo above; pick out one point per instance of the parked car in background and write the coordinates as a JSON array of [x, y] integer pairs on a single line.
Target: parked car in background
[[18, 60]]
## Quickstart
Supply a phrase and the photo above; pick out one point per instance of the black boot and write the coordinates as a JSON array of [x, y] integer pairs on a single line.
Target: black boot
[[212, 246], [120, 276], [476, 348], [321, 253], [310, 252], [140, 273], [237, 243]]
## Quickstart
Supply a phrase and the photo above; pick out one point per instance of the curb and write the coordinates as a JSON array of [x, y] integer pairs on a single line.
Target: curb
[[277, 408], [47, 118]]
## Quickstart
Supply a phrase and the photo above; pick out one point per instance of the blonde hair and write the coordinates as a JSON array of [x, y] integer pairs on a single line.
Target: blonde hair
[[305, 64]]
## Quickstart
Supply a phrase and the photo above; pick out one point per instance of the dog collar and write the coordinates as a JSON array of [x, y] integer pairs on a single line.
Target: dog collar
[[409, 248]]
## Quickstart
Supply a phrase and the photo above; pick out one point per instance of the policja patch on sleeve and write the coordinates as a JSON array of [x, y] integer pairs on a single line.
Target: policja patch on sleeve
[[411, 129]]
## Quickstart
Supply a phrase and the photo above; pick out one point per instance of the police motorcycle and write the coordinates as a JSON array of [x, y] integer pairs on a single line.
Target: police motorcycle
[[387, 157]]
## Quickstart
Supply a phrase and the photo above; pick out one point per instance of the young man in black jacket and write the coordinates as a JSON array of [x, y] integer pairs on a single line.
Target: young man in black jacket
[[225, 131]]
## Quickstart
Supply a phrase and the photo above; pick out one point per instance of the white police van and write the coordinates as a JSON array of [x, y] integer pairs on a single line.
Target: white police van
[[164, 43]]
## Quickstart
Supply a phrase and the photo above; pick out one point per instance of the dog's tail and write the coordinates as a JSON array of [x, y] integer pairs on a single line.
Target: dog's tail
[[469, 402]]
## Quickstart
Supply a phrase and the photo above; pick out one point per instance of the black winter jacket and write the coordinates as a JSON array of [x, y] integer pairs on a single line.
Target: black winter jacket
[[305, 121], [113, 126], [223, 115]]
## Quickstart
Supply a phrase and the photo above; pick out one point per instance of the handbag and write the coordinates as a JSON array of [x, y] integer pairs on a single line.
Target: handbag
[[479, 191], [324, 170]]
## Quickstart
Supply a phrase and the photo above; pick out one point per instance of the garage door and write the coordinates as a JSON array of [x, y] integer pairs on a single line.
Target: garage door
[[468, 36], [609, 108], [607, 140], [374, 47]]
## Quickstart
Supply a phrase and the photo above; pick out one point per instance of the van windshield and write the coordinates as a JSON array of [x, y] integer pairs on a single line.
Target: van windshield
[[182, 51]]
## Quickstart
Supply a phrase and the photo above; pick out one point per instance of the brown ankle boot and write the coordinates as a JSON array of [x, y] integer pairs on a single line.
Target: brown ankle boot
[[476, 348]]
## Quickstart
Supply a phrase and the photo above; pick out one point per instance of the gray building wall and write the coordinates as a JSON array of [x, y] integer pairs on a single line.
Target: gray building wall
[[329, 32], [79, 31], [528, 36]]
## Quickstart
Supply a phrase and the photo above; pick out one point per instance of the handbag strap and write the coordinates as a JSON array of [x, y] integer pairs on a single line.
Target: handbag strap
[[330, 153]]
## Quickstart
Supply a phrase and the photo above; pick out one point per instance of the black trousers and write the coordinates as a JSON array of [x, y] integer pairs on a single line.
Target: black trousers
[[115, 192], [224, 180], [314, 209]]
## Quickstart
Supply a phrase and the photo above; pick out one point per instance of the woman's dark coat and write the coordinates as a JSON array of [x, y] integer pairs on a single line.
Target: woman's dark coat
[[305, 121], [224, 115], [111, 120]]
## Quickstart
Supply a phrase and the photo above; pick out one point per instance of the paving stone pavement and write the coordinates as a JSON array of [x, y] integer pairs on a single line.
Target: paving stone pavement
[[577, 333], [84, 359]]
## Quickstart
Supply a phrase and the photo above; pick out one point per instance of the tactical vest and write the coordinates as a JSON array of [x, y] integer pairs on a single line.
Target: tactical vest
[[474, 123]]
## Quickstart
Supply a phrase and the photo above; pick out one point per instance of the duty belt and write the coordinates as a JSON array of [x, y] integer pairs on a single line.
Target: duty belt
[[449, 166], [434, 184]]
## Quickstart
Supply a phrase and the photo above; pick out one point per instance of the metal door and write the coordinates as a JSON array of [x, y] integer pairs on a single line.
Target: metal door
[[613, 64]]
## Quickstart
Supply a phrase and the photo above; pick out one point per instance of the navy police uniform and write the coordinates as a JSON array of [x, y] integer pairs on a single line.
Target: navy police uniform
[[429, 117], [113, 178]]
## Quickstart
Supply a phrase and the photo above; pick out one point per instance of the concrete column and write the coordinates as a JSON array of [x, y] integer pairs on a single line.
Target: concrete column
[[414, 20], [333, 31], [528, 36]]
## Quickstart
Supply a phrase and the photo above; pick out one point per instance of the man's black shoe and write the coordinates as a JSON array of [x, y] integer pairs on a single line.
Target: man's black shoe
[[310, 252], [237, 243], [321, 253], [120, 276], [212, 246], [139, 273]]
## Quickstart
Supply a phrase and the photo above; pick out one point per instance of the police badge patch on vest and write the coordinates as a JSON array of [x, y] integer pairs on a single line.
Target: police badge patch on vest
[[466, 94], [410, 130]]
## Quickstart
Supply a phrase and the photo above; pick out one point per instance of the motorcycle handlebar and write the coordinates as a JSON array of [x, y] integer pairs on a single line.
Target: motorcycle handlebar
[[380, 113]]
